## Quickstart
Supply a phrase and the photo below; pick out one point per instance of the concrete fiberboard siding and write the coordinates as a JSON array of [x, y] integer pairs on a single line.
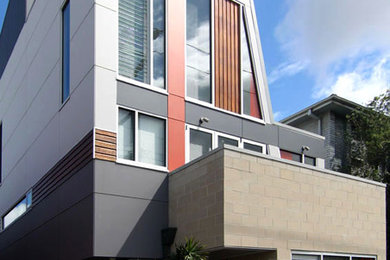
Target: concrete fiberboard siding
[[131, 209], [30, 87], [59, 227], [276, 204]]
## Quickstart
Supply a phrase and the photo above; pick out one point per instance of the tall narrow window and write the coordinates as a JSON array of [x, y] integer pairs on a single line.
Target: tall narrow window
[[126, 135], [142, 41], [65, 51], [251, 104], [198, 63]]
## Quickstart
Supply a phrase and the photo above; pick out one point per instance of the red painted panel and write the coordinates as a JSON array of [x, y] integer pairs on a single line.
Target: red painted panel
[[176, 147], [176, 81], [176, 46], [286, 155]]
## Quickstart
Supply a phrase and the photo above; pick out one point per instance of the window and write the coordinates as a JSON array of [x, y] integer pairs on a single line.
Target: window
[[290, 156], [253, 147], [198, 58], [310, 160], [201, 141], [225, 140], [327, 256], [18, 210], [142, 41], [141, 138], [65, 51]]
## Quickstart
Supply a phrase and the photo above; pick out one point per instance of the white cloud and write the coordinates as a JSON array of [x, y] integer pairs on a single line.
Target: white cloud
[[360, 88], [331, 36], [278, 115], [286, 69]]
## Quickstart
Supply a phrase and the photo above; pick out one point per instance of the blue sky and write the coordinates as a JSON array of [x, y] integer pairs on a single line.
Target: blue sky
[[313, 48]]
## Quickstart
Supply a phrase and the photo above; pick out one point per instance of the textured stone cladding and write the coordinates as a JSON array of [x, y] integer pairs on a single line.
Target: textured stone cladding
[[233, 198]]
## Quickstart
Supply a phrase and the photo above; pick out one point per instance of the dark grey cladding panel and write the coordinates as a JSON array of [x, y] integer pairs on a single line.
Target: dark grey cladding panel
[[13, 24], [293, 141], [142, 99], [128, 227], [59, 227], [218, 121], [267, 134], [122, 180]]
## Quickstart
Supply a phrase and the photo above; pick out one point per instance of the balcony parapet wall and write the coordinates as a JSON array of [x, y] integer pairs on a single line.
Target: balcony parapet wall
[[232, 198]]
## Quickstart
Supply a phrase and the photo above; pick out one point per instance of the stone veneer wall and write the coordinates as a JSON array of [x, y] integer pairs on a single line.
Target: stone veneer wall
[[234, 198]]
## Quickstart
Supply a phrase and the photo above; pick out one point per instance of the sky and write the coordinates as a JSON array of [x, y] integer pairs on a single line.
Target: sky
[[315, 48]]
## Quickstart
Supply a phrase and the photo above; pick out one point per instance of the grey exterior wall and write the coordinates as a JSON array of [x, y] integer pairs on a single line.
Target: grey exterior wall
[[60, 227], [130, 210], [37, 129], [13, 24], [277, 135]]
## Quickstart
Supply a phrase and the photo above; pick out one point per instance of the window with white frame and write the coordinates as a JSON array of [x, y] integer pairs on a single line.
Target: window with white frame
[[141, 138], [329, 256], [200, 141], [17, 211], [142, 41]]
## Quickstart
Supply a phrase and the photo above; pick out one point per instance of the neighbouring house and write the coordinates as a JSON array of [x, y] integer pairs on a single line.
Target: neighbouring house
[[327, 118], [127, 125]]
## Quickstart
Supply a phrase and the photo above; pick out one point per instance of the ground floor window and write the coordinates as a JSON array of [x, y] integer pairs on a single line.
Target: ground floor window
[[329, 256], [200, 141]]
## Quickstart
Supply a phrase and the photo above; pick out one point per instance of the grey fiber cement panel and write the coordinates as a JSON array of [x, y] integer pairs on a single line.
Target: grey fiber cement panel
[[128, 227], [293, 141], [60, 227], [124, 180], [142, 99]]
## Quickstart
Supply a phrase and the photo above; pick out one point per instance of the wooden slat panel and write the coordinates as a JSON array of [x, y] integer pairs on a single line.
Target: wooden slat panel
[[105, 145], [227, 55]]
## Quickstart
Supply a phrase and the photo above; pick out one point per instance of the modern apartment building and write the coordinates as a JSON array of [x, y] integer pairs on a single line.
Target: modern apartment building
[[124, 120]]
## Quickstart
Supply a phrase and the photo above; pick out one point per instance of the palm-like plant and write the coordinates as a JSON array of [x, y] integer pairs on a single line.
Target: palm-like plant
[[191, 250]]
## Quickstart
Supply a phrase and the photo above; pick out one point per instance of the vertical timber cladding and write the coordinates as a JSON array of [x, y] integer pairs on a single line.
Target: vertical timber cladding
[[227, 55]]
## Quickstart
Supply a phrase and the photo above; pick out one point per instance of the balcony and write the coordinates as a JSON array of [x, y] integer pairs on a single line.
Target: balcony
[[248, 205]]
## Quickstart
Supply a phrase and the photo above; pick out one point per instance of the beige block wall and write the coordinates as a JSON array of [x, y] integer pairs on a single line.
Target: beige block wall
[[269, 203]]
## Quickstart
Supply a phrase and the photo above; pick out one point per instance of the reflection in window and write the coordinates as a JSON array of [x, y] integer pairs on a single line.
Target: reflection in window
[[200, 143], [306, 257], [335, 257], [17, 210], [126, 135], [251, 105], [65, 51], [224, 140], [150, 137], [253, 147], [310, 160], [159, 43], [198, 50], [137, 43], [151, 140]]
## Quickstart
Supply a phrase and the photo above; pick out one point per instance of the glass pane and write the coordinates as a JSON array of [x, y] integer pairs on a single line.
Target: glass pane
[[363, 258], [159, 43], [296, 157], [251, 105], [15, 213], [151, 140], [200, 143], [310, 160], [65, 51], [126, 135], [198, 50], [336, 257], [305, 257], [253, 147], [28, 199], [134, 39], [224, 140]]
